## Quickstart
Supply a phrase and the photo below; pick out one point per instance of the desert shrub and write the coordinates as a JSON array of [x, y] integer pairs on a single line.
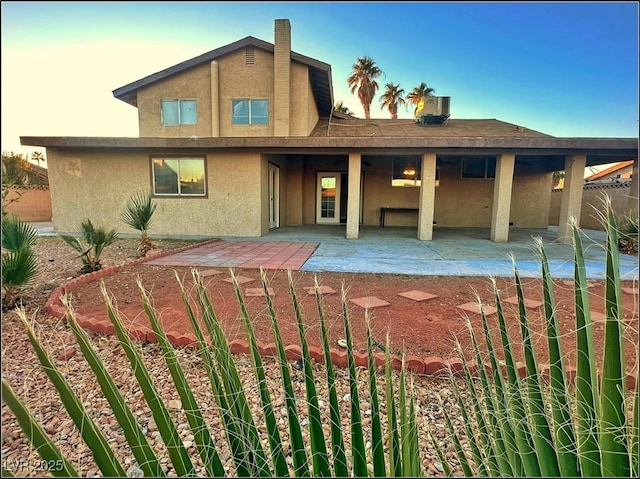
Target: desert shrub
[[520, 426], [138, 214], [90, 242], [513, 427], [628, 239], [19, 263]]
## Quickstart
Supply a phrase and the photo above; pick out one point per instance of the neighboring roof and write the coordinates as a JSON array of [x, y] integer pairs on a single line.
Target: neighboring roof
[[42, 173], [389, 128], [611, 169], [319, 73]]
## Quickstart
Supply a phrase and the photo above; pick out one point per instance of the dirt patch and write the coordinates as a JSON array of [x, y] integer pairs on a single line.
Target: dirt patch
[[420, 328]]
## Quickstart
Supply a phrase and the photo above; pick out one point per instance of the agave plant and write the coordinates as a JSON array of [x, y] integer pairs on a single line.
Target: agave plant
[[138, 214], [258, 449], [95, 239], [523, 427], [19, 262]]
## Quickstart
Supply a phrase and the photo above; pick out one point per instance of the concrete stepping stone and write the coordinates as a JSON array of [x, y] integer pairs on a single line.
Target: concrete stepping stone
[[417, 295], [254, 292], [369, 302], [474, 307], [311, 290], [241, 280], [528, 303], [209, 272], [598, 317]]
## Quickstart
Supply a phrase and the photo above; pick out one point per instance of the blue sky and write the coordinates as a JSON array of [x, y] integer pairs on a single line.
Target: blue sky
[[566, 69]]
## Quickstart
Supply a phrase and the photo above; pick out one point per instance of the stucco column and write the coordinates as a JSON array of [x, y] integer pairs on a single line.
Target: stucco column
[[502, 186], [353, 196], [427, 196], [571, 201], [215, 100], [632, 204]]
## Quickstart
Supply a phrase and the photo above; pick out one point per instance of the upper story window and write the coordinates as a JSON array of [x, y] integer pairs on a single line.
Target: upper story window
[[178, 176], [478, 167], [179, 112], [250, 112]]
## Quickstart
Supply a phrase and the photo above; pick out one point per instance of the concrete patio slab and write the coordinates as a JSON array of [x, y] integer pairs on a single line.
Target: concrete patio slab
[[395, 250]]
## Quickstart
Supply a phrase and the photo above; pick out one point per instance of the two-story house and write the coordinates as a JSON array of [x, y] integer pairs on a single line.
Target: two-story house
[[243, 139]]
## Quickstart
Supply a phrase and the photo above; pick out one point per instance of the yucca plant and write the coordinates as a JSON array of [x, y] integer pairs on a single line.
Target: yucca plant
[[523, 427], [19, 262], [513, 426], [258, 449], [90, 242], [138, 214]]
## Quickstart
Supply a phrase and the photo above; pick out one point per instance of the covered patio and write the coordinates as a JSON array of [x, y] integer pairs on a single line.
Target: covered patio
[[451, 252]]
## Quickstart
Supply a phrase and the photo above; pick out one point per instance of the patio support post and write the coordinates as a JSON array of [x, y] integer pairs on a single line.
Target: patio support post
[[633, 191], [215, 100], [427, 197], [502, 186], [353, 198], [571, 201]]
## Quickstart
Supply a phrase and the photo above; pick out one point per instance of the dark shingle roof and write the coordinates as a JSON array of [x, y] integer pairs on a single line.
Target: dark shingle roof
[[388, 128], [319, 73]]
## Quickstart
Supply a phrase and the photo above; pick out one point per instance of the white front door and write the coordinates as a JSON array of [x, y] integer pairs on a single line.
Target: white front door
[[274, 196], [328, 198]]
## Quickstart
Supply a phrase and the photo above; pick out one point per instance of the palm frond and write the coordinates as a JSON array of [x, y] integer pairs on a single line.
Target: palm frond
[[17, 233]]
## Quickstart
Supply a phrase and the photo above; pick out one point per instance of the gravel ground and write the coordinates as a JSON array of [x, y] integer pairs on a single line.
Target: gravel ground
[[57, 264]]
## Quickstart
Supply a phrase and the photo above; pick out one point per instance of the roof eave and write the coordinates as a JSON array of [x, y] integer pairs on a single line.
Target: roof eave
[[620, 146]]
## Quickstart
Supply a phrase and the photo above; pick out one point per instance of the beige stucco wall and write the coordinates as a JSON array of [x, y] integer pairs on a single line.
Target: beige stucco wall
[[192, 85], [294, 187], [236, 80], [592, 202], [458, 202], [96, 185], [304, 113]]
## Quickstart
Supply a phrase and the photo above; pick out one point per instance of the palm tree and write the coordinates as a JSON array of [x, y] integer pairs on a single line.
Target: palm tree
[[362, 78], [418, 93], [138, 214], [38, 157], [19, 262], [96, 239], [341, 108], [392, 97], [16, 170]]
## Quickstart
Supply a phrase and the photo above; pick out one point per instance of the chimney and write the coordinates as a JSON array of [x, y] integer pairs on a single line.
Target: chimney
[[281, 77]]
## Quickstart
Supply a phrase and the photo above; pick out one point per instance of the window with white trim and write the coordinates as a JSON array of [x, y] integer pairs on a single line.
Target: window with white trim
[[181, 176], [250, 112], [179, 112]]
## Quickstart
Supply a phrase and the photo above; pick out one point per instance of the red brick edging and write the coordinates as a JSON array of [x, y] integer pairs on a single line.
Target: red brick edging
[[430, 366]]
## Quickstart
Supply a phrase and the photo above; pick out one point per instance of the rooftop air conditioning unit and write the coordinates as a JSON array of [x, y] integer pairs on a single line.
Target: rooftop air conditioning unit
[[433, 110]]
